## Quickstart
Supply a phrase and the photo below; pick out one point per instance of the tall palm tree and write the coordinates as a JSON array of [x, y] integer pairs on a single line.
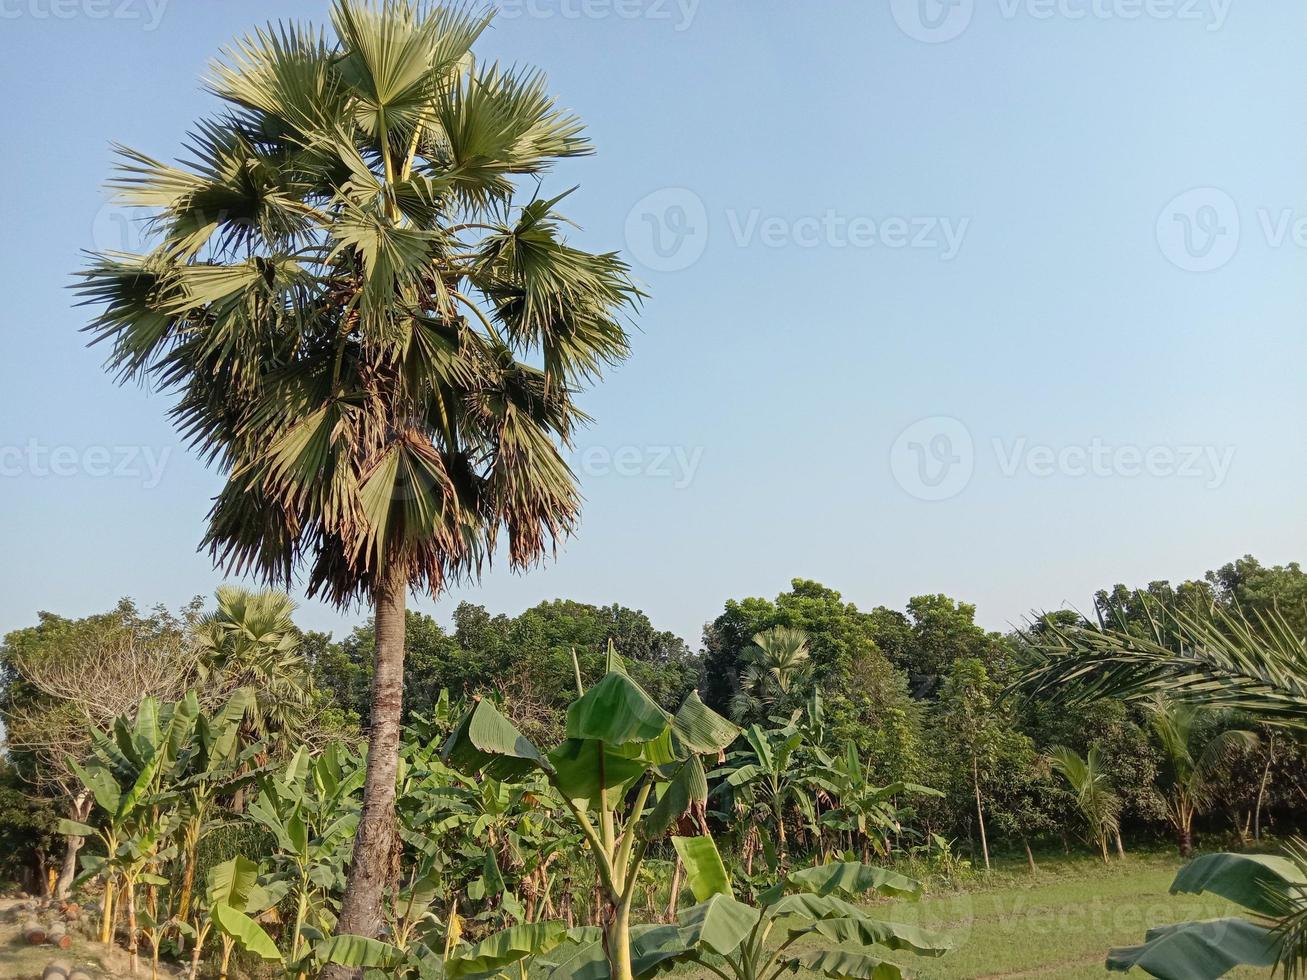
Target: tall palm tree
[[1089, 784], [377, 341], [1196, 750], [772, 666]]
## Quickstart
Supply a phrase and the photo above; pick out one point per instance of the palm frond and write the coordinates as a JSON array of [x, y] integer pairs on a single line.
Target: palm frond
[[1220, 660]]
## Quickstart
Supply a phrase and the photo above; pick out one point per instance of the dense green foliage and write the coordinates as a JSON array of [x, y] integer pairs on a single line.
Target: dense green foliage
[[863, 738]]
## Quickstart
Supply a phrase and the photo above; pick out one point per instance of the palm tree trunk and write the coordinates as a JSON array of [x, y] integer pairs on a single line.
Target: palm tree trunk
[[369, 870], [1120, 845], [980, 811], [1261, 788], [1030, 855]]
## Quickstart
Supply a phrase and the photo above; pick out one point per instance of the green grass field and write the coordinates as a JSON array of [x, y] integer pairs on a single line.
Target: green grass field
[[1059, 922]]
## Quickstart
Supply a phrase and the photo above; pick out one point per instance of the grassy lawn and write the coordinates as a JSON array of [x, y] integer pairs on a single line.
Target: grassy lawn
[[1057, 923]]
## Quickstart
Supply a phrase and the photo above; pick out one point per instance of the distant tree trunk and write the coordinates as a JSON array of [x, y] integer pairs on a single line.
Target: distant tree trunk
[[980, 812], [1030, 855], [1120, 846], [675, 900], [79, 811], [370, 867], [1261, 789]]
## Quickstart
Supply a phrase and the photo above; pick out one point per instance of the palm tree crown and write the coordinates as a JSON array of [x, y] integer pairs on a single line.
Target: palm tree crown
[[772, 664], [372, 336], [250, 642]]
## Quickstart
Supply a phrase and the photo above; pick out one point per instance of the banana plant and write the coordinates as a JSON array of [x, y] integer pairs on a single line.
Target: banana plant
[[125, 773], [214, 765], [626, 774], [311, 810], [233, 899], [764, 776], [739, 941], [863, 810], [520, 952], [1273, 888]]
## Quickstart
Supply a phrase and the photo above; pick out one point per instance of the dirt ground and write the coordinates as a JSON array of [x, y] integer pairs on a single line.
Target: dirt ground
[[21, 961]]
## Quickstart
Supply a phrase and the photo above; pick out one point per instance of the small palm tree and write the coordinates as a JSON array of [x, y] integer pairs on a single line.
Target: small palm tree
[[1100, 807], [773, 664], [250, 641], [372, 332], [1196, 751]]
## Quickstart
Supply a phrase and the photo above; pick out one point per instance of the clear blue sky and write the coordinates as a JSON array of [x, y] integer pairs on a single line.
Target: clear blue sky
[[866, 215]]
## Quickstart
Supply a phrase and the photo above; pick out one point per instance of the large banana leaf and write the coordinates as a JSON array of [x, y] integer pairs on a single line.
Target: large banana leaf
[[503, 949], [721, 923], [101, 784], [1262, 883], [864, 931], [74, 828], [701, 730], [657, 948], [616, 711], [842, 965], [1199, 950], [487, 741], [356, 951], [231, 882], [581, 961], [582, 769], [705, 873], [853, 878], [247, 933]]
